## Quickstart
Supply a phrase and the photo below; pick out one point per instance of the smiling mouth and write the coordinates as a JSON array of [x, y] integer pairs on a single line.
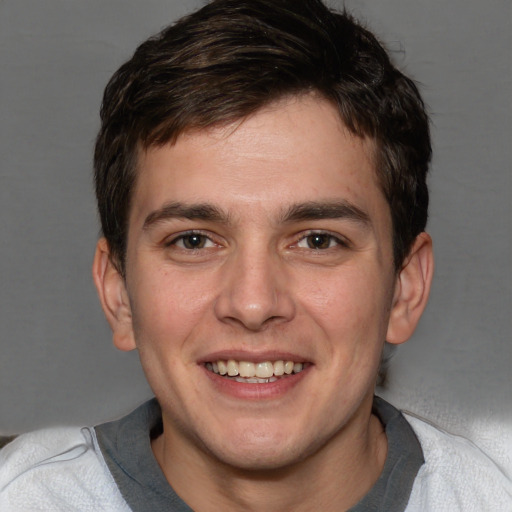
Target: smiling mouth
[[255, 373]]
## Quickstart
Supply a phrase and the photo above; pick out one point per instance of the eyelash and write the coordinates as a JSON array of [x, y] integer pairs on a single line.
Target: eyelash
[[183, 236], [339, 241]]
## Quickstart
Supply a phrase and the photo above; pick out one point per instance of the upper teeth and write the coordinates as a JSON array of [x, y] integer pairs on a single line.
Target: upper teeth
[[263, 370]]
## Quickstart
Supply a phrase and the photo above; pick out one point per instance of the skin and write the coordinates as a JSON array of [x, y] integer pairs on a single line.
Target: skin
[[268, 280]]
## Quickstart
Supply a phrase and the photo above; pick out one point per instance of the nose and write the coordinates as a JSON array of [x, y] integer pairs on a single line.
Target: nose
[[255, 291]]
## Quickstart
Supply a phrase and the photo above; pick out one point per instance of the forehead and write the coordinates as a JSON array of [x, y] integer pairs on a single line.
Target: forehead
[[292, 151]]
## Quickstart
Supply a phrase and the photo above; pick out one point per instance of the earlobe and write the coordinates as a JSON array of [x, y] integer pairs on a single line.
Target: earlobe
[[412, 290], [113, 296]]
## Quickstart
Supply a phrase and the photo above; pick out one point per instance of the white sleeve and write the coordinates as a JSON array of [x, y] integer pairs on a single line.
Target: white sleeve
[[457, 476], [57, 470]]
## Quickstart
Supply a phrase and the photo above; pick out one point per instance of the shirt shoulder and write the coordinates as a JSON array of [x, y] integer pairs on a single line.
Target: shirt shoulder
[[58, 469], [457, 475]]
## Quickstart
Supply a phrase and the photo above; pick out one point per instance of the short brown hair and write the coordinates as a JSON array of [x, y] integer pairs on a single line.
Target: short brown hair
[[231, 58]]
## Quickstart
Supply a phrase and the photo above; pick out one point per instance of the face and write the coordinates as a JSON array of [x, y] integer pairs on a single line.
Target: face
[[259, 283]]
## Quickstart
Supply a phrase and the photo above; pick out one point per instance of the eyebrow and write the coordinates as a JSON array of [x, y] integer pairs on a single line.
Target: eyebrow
[[311, 210], [318, 210], [178, 210]]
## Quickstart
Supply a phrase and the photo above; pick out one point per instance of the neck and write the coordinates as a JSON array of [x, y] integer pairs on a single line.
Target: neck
[[334, 478]]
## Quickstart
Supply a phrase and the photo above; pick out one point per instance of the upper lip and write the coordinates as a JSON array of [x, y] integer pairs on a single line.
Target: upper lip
[[253, 356]]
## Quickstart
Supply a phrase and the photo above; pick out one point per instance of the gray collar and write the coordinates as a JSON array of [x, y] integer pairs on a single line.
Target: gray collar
[[126, 448]]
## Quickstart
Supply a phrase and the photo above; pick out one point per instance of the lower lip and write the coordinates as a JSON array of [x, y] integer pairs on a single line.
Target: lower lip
[[257, 391]]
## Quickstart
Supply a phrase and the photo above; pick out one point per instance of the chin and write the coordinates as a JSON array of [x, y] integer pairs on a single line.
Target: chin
[[256, 459], [254, 449]]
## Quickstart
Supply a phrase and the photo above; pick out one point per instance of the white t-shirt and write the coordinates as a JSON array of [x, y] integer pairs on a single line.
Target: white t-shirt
[[65, 469]]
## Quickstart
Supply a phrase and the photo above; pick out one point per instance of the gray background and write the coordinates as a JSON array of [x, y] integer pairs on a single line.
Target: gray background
[[57, 364]]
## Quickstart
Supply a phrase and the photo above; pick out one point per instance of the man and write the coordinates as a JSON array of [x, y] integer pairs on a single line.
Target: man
[[261, 181]]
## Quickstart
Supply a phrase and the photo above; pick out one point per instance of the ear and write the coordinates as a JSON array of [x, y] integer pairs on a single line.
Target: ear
[[111, 288], [412, 289]]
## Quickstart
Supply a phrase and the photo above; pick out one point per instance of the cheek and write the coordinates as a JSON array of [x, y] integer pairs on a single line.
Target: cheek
[[335, 292], [166, 307], [349, 305]]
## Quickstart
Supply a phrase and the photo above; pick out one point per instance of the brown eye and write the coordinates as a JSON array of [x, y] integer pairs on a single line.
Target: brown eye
[[191, 241], [194, 241], [319, 241]]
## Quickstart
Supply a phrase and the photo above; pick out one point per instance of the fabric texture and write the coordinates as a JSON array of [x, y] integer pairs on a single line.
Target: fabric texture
[[57, 470], [457, 476], [126, 448], [64, 469]]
